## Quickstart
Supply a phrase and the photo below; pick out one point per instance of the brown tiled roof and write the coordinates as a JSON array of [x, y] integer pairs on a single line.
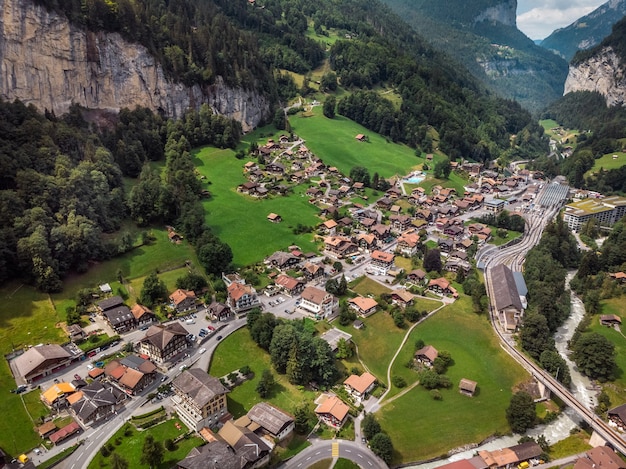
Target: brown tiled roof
[[429, 352], [38, 357], [131, 378], [468, 385], [181, 295], [360, 383], [237, 290], [161, 335], [287, 282], [440, 282], [333, 406], [139, 310], [363, 303], [382, 256], [314, 295]]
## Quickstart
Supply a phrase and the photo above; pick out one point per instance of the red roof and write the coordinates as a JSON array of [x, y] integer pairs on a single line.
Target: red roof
[[382, 256], [64, 432]]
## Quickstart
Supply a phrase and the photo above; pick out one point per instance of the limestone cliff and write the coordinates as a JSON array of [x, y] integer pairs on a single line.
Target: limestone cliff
[[48, 62], [504, 12], [602, 73]]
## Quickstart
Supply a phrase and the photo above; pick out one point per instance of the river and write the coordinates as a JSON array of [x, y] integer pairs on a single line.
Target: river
[[581, 388]]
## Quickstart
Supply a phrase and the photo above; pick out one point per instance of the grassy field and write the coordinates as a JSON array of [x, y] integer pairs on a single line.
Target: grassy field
[[366, 286], [333, 141], [607, 162], [130, 446], [457, 419], [239, 349], [241, 221]]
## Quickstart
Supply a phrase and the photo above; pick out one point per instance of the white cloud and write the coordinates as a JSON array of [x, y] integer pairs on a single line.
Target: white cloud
[[538, 22]]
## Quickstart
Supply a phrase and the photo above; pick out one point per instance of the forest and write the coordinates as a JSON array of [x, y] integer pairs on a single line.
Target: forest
[[62, 187]]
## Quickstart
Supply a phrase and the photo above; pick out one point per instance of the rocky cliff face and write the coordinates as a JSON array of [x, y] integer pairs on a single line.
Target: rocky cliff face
[[601, 73], [505, 13], [46, 61]]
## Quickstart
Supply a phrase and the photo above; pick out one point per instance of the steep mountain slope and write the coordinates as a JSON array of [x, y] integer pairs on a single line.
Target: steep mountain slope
[[484, 37], [602, 68], [587, 31]]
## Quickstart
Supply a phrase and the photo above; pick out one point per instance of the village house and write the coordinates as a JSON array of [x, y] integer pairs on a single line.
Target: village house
[[143, 316], [200, 399], [75, 332], [329, 227], [318, 302], [241, 297], [400, 223], [183, 300], [454, 265], [218, 453], [600, 457], [275, 167], [282, 260], [367, 223], [366, 242], [610, 320], [441, 286], [249, 166], [312, 271], [426, 355], [218, 311], [381, 262], [359, 386], [99, 400], [119, 318], [402, 297], [363, 306], [163, 342], [291, 286], [384, 203], [332, 411], [416, 276], [408, 243], [617, 417], [339, 246], [382, 232], [445, 245]]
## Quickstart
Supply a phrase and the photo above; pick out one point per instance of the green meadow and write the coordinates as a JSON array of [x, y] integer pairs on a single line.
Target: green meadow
[[241, 221], [333, 141], [607, 162], [437, 426]]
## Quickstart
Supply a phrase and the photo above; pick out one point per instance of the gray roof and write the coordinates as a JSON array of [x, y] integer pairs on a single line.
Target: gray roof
[[332, 337], [118, 315], [161, 335], [520, 283], [504, 288], [96, 395], [527, 450], [269, 417], [199, 386], [213, 455], [110, 303], [40, 356]]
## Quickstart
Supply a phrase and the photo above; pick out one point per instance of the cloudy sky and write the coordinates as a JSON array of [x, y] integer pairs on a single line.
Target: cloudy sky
[[538, 18]]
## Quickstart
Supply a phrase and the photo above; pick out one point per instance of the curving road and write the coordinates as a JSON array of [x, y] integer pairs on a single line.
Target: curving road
[[328, 449]]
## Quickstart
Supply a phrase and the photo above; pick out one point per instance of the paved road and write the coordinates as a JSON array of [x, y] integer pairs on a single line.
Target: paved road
[[323, 449]]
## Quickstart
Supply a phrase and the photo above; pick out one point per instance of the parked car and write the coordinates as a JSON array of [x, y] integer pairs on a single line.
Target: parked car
[[182, 367], [77, 377], [163, 379], [92, 320], [202, 350], [219, 337]]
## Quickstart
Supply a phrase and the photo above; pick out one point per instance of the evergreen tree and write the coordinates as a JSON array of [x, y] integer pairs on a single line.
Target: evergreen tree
[[152, 452], [329, 107], [153, 292], [521, 413]]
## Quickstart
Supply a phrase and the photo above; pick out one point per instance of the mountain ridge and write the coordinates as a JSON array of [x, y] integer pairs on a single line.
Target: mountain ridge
[[587, 31]]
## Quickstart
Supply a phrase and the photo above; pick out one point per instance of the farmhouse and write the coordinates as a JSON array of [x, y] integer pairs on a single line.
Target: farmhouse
[[42, 360], [200, 399], [282, 260], [402, 297], [270, 421], [426, 355], [312, 271], [363, 306], [416, 276], [332, 411], [339, 246], [441, 286], [274, 218], [617, 417], [218, 311], [610, 320], [120, 318]]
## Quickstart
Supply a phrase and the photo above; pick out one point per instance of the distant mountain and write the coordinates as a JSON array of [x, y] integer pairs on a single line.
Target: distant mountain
[[587, 31], [483, 35]]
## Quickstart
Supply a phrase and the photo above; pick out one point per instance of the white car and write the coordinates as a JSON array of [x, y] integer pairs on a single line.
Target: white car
[[90, 367], [202, 350], [182, 367]]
